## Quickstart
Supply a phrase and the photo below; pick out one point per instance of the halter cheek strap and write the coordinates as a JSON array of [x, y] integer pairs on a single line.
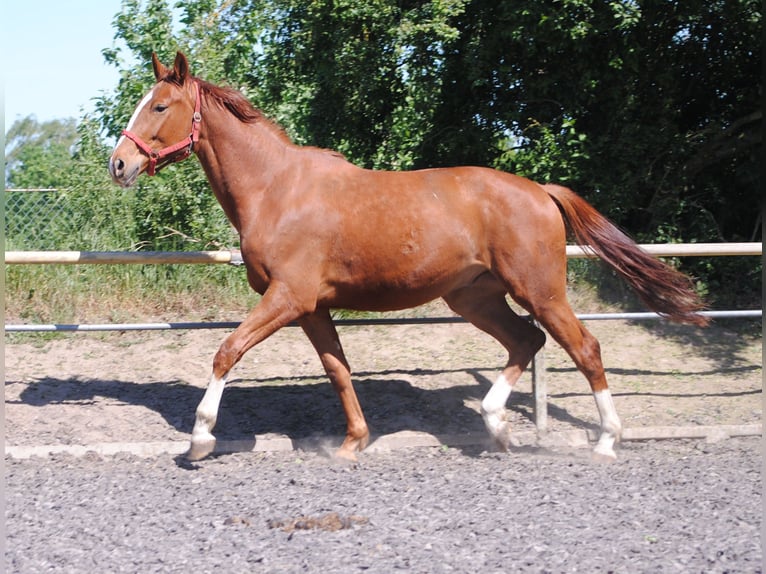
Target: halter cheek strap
[[185, 146]]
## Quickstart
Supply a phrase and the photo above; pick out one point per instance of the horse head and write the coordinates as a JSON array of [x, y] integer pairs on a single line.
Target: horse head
[[164, 126]]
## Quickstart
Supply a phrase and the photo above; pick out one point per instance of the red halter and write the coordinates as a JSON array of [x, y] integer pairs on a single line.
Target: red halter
[[185, 146]]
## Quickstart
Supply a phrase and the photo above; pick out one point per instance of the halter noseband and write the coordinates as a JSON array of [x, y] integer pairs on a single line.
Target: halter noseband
[[185, 146]]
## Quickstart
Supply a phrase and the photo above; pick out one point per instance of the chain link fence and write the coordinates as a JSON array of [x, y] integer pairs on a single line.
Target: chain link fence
[[110, 220], [38, 219]]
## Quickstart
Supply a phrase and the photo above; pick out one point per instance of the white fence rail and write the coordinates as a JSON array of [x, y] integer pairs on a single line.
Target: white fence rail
[[234, 257]]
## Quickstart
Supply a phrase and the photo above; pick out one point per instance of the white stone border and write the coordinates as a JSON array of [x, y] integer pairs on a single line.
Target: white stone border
[[395, 441]]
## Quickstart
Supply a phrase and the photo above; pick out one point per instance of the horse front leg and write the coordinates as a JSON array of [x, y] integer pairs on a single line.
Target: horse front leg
[[202, 439], [320, 330], [274, 311]]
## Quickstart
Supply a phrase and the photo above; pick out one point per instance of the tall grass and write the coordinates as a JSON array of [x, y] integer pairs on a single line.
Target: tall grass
[[124, 293]]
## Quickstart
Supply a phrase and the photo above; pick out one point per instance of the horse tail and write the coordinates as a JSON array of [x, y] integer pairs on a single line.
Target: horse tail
[[662, 288]]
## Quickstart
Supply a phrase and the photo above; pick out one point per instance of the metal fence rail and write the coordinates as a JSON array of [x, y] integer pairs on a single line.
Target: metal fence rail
[[77, 328], [121, 257]]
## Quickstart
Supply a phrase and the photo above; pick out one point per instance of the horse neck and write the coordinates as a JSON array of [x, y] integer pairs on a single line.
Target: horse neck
[[241, 160]]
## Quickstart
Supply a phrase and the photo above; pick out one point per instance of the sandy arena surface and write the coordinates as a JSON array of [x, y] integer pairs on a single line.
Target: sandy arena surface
[[144, 386]]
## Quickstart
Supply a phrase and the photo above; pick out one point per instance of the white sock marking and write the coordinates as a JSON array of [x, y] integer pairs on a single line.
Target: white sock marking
[[610, 422], [207, 411], [611, 427], [493, 406]]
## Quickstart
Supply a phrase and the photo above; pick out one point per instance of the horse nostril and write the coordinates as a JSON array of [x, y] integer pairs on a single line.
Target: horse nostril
[[117, 167]]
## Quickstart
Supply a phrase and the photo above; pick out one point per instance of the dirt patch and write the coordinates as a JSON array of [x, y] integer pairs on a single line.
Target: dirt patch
[[134, 387]]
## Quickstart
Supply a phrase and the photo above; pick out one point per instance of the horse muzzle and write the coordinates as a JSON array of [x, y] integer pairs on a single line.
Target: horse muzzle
[[124, 173]]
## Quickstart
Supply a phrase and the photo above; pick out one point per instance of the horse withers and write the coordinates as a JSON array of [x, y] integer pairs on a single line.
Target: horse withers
[[318, 233]]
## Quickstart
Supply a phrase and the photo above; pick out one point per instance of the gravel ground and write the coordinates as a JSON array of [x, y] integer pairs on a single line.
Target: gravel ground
[[665, 506]]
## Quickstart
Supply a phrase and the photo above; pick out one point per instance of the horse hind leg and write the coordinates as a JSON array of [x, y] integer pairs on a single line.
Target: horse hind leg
[[320, 330], [584, 349], [483, 304], [539, 285]]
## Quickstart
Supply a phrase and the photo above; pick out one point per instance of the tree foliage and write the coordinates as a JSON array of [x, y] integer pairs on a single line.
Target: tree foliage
[[649, 109], [70, 157], [38, 155]]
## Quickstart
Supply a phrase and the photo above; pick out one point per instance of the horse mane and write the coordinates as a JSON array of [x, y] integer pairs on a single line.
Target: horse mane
[[232, 100], [242, 109], [238, 105]]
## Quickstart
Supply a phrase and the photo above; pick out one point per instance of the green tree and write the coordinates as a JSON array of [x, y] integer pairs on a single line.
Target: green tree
[[39, 154], [85, 212], [175, 210]]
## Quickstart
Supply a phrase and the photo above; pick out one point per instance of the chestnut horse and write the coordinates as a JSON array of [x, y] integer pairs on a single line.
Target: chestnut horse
[[319, 233]]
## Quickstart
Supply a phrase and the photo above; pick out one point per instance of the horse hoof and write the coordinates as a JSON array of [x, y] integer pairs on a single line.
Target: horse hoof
[[200, 448], [603, 455], [345, 455], [351, 445], [502, 437]]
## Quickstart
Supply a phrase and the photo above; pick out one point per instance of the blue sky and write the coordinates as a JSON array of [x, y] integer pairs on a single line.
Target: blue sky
[[52, 64]]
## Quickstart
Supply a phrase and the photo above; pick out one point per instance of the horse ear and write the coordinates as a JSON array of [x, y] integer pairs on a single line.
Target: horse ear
[[181, 67], [160, 71]]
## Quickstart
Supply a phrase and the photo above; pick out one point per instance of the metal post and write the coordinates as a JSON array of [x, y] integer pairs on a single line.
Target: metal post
[[540, 389]]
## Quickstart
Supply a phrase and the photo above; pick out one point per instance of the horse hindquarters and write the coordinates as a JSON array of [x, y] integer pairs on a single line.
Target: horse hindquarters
[[531, 263]]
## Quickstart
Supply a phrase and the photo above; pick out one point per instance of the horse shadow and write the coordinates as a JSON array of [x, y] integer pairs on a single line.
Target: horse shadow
[[307, 411], [303, 409]]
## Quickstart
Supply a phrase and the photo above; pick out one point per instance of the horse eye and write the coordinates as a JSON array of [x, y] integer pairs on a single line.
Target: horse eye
[[160, 108]]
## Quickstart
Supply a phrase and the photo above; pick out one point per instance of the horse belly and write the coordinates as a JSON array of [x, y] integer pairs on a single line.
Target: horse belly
[[378, 297], [393, 281]]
